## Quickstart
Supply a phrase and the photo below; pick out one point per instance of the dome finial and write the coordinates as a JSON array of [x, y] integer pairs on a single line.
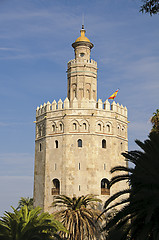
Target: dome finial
[[82, 26]]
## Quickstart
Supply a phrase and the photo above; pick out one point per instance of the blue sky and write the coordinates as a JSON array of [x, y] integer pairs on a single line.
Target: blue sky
[[35, 46]]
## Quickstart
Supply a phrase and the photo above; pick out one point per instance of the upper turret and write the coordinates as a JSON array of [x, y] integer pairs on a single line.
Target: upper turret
[[82, 46]]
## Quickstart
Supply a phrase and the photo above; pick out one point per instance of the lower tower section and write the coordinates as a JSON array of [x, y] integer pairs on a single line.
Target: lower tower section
[[76, 148]]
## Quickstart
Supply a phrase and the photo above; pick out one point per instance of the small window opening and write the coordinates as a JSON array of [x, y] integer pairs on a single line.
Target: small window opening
[[55, 166], [103, 143], [104, 166], [84, 126], [81, 54], [79, 187], [56, 144], [79, 143], [40, 147], [121, 144], [53, 128], [60, 127], [99, 127], [74, 126], [79, 166], [108, 128]]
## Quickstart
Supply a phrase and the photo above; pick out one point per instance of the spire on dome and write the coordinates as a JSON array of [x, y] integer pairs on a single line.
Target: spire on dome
[[82, 39]]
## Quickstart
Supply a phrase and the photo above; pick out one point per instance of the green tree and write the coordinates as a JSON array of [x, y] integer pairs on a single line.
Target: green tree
[[141, 205], [29, 225], [25, 201], [78, 215], [155, 121], [150, 6]]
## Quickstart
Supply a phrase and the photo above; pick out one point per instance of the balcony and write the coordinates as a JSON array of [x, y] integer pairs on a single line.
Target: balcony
[[105, 191], [55, 191]]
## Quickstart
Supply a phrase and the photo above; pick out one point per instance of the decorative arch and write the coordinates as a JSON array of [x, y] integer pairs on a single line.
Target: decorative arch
[[84, 126], [118, 129], [43, 130], [99, 126], [54, 126], [74, 91], [39, 131], [105, 187], [88, 91], [60, 126], [74, 126], [108, 127], [123, 131], [56, 187]]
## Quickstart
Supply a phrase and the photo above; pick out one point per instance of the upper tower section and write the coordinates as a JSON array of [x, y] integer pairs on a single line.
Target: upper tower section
[[82, 46], [82, 71]]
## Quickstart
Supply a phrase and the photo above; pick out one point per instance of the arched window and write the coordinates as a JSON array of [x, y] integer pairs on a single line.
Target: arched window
[[84, 126], [79, 143], [108, 128], [56, 187], [88, 94], [74, 126], [60, 126], [119, 130], [56, 144], [99, 127], [103, 143], [74, 90], [53, 127], [105, 188]]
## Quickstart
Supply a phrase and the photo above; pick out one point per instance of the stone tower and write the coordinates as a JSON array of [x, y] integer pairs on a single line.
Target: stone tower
[[79, 140]]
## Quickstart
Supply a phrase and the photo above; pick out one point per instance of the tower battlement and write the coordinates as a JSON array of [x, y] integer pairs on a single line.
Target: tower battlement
[[85, 104], [78, 61]]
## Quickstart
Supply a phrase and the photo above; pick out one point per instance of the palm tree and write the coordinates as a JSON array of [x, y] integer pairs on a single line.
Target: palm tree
[[155, 121], [139, 214], [78, 215], [25, 201], [28, 225]]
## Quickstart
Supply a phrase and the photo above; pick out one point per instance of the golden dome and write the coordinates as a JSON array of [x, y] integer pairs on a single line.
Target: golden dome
[[82, 38]]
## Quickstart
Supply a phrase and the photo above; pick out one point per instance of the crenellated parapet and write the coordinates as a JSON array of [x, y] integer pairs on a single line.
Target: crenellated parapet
[[81, 61], [84, 104]]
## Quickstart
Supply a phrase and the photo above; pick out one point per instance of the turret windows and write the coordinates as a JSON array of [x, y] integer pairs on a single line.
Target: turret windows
[[82, 54], [79, 143], [103, 143], [56, 187], [105, 188], [56, 144]]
